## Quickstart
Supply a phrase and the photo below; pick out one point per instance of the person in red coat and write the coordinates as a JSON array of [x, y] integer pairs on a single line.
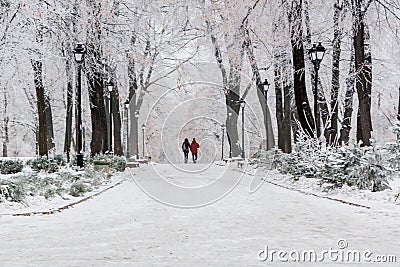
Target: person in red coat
[[194, 146]]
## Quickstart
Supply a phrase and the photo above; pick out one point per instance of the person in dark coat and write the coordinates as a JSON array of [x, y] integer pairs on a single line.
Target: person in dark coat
[[185, 149], [194, 146]]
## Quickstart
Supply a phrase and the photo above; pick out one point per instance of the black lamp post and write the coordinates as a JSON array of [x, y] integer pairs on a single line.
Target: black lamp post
[[137, 115], [126, 104], [223, 137], [143, 128], [230, 145], [242, 104], [316, 53], [110, 88], [265, 86], [79, 53]]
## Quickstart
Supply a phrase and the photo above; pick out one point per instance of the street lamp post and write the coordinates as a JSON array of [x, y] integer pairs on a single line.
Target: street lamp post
[[79, 53], [230, 145], [242, 104], [223, 137], [143, 128], [265, 86], [316, 53], [110, 88], [137, 114], [127, 127]]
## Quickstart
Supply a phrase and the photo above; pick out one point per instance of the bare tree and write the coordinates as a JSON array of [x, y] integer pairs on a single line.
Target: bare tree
[[303, 106], [337, 35], [262, 98], [348, 104], [363, 65], [94, 76]]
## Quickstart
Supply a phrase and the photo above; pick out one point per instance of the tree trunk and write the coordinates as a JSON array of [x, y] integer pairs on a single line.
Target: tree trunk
[[6, 120], [262, 98], [333, 130], [364, 76], [98, 143], [69, 105], [41, 106], [287, 98], [282, 76], [279, 100], [348, 104], [133, 89], [231, 100], [300, 92], [398, 108], [232, 96], [49, 123], [118, 149]]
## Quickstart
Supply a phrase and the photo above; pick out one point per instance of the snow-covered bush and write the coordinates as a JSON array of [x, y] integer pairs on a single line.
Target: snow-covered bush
[[371, 171], [45, 164], [393, 149], [11, 191], [11, 166], [62, 183], [118, 163], [364, 168], [59, 159], [78, 189]]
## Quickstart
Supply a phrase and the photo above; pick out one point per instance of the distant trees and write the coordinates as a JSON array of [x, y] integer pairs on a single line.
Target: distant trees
[[129, 41]]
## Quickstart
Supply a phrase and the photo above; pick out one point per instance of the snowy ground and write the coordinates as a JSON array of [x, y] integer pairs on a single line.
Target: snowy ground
[[126, 227]]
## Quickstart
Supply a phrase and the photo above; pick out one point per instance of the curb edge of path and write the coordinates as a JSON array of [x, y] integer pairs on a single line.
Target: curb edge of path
[[68, 206], [310, 193]]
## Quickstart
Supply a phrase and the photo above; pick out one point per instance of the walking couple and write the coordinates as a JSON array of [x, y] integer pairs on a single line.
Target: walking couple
[[194, 146]]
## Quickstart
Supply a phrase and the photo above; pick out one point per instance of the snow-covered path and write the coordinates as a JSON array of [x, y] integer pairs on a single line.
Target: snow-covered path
[[125, 227]]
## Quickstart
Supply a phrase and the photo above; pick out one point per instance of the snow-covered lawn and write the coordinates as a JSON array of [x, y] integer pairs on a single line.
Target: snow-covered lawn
[[126, 227], [61, 182]]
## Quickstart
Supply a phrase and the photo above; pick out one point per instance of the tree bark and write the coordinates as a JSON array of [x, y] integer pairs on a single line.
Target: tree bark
[[287, 112], [49, 123], [348, 104], [364, 75], [118, 149], [260, 88], [69, 104], [303, 106], [133, 89], [333, 130], [279, 100], [98, 143], [41, 106], [6, 120], [232, 96]]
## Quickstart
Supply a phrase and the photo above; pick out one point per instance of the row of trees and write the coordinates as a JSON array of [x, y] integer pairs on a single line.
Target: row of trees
[[132, 40]]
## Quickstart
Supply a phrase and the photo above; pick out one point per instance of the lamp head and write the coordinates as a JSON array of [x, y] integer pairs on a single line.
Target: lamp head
[[126, 103], [110, 86], [79, 52]]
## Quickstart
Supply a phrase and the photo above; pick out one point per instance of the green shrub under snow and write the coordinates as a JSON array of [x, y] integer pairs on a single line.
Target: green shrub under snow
[[363, 167], [11, 166], [45, 164], [16, 189]]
